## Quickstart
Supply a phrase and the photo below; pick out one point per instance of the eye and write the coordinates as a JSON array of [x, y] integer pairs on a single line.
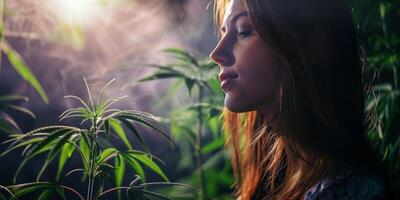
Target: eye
[[223, 29], [245, 34]]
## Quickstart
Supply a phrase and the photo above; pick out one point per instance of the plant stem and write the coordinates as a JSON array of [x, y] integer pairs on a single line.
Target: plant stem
[[395, 77], [92, 168], [92, 160], [198, 147], [112, 189], [88, 191]]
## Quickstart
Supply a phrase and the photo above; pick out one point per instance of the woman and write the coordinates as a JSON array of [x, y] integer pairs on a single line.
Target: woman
[[294, 104]]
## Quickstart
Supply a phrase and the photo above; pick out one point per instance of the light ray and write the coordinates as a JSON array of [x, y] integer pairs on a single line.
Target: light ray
[[76, 11]]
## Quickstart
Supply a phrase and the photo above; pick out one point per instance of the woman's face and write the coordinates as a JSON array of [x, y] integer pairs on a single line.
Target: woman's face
[[249, 69]]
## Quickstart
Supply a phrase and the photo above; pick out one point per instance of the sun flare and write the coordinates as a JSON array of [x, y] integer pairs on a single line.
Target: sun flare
[[75, 11]]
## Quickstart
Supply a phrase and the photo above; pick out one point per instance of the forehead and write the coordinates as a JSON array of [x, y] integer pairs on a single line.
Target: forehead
[[233, 8]]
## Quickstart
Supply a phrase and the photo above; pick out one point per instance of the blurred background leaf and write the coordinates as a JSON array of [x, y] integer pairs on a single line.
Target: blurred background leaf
[[379, 35]]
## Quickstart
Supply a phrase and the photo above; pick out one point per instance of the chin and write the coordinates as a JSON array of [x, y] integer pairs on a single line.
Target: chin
[[234, 109], [241, 105], [237, 107]]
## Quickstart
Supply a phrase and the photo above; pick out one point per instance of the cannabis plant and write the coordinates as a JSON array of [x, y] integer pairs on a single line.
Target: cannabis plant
[[99, 123], [197, 125]]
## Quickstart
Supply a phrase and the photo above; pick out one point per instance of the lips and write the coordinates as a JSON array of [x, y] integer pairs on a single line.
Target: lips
[[227, 75], [227, 80]]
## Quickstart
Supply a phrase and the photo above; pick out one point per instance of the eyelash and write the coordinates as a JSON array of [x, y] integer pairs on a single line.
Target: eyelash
[[245, 34]]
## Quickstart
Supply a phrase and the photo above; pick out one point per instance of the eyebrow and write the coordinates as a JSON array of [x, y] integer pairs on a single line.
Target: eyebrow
[[235, 18]]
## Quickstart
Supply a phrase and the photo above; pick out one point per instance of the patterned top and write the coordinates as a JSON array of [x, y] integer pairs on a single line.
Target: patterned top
[[345, 184]]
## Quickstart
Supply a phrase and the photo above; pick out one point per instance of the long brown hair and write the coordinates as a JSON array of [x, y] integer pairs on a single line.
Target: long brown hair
[[320, 121]]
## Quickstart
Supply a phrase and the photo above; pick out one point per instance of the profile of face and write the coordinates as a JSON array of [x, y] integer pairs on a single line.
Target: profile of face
[[249, 68]]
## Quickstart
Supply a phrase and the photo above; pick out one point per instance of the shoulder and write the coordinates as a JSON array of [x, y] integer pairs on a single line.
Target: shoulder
[[347, 184]]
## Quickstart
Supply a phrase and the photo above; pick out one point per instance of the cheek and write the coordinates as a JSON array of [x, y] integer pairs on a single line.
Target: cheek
[[260, 77], [260, 88]]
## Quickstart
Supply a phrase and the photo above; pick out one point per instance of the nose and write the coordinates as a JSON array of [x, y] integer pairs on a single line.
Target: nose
[[222, 53]]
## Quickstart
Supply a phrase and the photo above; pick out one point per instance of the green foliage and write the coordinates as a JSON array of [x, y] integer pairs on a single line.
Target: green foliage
[[61, 141], [197, 126], [379, 33], [16, 61], [194, 73], [7, 123], [19, 65]]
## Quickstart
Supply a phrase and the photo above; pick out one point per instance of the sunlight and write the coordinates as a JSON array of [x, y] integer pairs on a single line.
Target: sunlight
[[75, 11]]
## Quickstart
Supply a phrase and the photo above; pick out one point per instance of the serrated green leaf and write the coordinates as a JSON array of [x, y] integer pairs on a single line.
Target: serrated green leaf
[[45, 194], [214, 125], [6, 127], [161, 75], [217, 143], [21, 165], [119, 172], [107, 129], [189, 85], [84, 147], [45, 129], [120, 132], [79, 99], [105, 153], [7, 98], [63, 140], [19, 65], [136, 166], [208, 65], [50, 157], [61, 193], [214, 85], [21, 109], [148, 124], [29, 189], [48, 141], [103, 106], [66, 153], [89, 93], [181, 54], [28, 142], [134, 131], [102, 91], [76, 112], [146, 160]]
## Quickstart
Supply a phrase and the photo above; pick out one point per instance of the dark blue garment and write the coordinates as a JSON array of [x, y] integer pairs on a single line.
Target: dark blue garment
[[346, 184]]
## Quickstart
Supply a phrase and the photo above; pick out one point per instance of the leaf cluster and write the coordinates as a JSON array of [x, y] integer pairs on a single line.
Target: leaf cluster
[[63, 142]]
